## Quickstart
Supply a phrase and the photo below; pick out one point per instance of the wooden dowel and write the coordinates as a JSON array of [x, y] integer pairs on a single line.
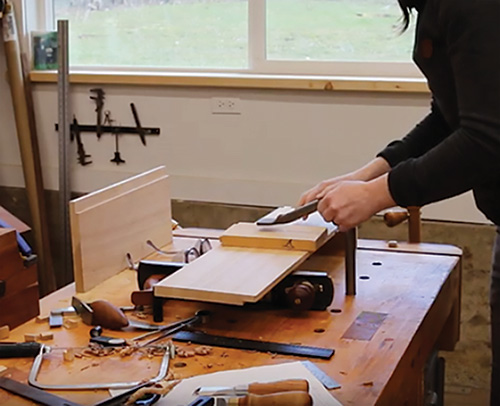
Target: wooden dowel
[[28, 146]]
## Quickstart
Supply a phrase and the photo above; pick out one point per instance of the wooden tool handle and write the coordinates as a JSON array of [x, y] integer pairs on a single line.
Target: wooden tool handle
[[393, 218], [277, 399], [289, 385], [108, 315]]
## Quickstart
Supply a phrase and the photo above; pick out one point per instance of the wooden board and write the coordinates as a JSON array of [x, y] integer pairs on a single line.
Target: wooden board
[[230, 275], [284, 236], [108, 224], [238, 275]]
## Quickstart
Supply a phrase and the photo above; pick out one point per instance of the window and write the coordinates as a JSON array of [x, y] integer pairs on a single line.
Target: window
[[328, 37]]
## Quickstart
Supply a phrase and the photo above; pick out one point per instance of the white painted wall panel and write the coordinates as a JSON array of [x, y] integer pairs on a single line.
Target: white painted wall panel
[[282, 143]]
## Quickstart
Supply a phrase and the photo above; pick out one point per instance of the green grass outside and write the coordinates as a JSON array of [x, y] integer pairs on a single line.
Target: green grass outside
[[214, 34]]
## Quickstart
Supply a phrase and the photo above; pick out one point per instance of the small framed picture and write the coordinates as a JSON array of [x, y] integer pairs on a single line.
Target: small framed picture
[[44, 48]]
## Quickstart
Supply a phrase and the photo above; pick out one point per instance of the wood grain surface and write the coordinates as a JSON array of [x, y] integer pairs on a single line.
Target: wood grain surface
[[108, 224], [284, 236]]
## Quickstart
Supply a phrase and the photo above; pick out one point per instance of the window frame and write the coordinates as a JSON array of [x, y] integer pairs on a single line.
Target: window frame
[[39, 16]]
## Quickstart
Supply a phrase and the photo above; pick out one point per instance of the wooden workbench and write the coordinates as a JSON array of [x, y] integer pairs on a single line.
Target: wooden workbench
[[417, 287]]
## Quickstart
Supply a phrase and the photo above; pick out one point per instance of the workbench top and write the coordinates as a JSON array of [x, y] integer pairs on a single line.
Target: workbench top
[[413, 291]]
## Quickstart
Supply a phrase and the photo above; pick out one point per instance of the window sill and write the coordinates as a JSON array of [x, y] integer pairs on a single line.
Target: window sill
[[251, 81]]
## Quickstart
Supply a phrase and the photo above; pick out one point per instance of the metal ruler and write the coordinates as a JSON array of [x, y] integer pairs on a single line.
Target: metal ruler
[[327, 381], [262, 346], [64, 140], [37, 395]]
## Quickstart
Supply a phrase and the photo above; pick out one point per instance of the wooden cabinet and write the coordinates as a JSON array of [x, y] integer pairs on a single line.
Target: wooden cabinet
[[18, 283]]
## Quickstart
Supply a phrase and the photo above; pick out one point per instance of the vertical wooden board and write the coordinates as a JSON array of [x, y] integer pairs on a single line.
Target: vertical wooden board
[[231, 275], [283, 236], [102, 195], [103, 234]]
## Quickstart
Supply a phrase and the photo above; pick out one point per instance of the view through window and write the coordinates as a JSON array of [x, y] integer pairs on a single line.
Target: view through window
[[213, 34]]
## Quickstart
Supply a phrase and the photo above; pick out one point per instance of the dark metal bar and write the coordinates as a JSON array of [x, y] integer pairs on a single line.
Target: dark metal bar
[[114, 129], [64, 140], [351, 242]]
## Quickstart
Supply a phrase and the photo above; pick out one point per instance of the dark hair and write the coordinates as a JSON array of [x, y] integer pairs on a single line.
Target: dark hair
[[405, 18]]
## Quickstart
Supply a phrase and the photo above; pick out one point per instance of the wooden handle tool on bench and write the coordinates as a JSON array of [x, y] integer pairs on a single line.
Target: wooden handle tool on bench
[[256, 388], [275, 399]]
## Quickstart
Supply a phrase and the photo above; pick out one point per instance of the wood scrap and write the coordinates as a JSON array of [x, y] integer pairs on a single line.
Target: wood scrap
[[4, 332], [69, 355], [160, 388], [46, 336], [30, 337]]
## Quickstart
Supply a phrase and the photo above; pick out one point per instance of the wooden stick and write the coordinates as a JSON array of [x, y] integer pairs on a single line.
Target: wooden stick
[[28, 146]]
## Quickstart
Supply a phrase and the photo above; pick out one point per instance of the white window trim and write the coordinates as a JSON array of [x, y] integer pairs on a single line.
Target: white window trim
[[38, 16]]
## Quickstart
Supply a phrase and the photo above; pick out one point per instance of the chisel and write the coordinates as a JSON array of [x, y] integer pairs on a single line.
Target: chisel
[[276, 399], [290, 216], [256, 388]]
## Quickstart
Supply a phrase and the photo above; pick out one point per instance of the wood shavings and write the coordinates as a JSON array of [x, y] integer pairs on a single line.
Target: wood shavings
[[2, 368], [185, 353], [203, 350], [159, 388]]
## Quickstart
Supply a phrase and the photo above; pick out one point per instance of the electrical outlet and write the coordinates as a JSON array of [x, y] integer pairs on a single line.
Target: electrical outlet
[[225, 105]]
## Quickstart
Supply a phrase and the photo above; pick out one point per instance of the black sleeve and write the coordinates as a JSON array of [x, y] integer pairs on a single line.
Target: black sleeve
[[428, 133], [470, 156]]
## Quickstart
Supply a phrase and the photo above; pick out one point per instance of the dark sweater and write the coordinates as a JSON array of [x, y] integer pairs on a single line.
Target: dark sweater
[[455, 148]]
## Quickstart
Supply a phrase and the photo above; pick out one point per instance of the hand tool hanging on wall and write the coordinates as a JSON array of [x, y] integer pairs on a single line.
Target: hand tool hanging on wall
[[99, 105], [28, 145], [138, 124], [117, 159], [106, 125], [75, 135]]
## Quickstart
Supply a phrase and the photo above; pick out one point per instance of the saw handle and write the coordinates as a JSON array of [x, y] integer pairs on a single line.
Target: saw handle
[[289, 385], [19, 350], [277, 399]]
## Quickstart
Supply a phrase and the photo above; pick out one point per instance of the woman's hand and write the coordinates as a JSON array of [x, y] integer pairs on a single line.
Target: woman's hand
[[372, 170], [349, 203], [318, 190]]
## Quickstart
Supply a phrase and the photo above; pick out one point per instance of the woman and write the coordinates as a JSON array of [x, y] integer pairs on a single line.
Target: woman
[[455, 148]]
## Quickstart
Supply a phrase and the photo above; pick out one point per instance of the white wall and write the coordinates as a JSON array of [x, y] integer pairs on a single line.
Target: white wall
[[282, 143]]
